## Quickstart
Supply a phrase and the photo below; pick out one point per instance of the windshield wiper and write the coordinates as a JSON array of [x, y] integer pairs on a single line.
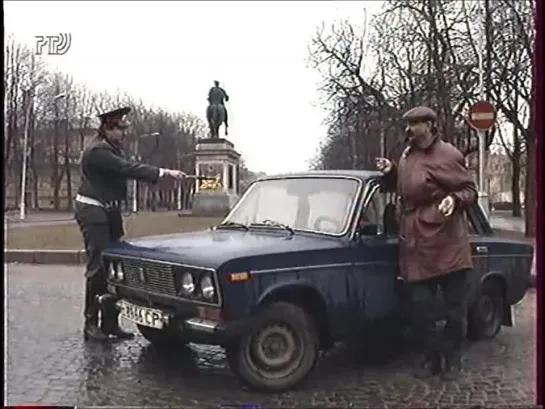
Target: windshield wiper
[[269, 222], [232, 224]]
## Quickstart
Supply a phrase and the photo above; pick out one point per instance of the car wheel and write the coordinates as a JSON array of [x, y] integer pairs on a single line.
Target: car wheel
[[279, 352], [163, 338], [486, 314]]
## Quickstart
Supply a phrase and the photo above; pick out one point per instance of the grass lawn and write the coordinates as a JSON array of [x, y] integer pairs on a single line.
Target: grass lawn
[[68, 236]]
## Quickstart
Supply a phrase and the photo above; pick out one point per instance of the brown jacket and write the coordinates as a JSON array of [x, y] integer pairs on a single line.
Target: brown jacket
[[431, 244]]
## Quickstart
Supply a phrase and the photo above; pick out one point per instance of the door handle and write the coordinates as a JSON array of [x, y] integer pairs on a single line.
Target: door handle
[[481, 249]]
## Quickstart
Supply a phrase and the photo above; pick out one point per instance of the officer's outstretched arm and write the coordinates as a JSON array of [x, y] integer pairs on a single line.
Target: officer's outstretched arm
[[105, 159]]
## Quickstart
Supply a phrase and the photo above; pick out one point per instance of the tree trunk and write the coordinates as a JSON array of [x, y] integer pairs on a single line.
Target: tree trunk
[[515, 177], [67, 168], [55, 179], [32, 169], [530, 190]]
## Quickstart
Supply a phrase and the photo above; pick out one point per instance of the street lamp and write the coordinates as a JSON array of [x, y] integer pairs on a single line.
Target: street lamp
[[26, 135], [137, 157]]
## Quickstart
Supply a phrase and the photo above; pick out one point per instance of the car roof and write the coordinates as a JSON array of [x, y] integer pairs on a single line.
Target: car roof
[[363, 175]]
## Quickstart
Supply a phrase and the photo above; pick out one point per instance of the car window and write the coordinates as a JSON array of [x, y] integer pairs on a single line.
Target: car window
[[373, 213], [313, 204]]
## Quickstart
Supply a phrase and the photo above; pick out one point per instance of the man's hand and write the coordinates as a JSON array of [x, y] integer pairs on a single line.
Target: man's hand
[[447, 206], [174, 174], [383, 165]]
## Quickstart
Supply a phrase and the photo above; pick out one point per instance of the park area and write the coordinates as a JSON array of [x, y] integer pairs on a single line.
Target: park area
[[65, 234], [62, 232]]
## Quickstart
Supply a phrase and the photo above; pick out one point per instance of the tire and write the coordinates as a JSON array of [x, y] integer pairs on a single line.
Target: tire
[[162, 338], [295, 332], [486, 314]]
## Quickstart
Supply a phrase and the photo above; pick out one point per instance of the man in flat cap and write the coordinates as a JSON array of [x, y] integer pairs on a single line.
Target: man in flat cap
[[434, 189], [104, 174]]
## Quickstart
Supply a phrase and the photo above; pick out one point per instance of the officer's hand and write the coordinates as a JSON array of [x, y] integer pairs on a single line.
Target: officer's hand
[[175, 174], [384, 165]]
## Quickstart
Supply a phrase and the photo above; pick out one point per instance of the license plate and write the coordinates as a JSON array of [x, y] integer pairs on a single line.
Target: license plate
[[142, 316]]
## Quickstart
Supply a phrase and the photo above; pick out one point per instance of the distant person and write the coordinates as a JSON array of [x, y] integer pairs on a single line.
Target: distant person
[[104, 174], [435, 188], [218, 96]]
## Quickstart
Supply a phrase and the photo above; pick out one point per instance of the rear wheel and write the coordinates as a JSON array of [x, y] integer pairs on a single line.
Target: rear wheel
[[279, 352], [486, 314], [163, 338]]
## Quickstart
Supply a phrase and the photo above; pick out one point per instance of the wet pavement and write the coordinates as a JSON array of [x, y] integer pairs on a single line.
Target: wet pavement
[[48, 363]]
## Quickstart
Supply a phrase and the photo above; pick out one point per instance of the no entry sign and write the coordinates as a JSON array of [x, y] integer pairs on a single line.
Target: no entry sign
[[482, 116]]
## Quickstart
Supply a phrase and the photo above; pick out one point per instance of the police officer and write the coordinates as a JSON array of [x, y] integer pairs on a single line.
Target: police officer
[[104, 174]]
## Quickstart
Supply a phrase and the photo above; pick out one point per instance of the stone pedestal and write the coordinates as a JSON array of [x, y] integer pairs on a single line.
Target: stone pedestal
[[217, 159]]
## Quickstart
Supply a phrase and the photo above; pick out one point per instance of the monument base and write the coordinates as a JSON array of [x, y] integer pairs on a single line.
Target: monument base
[[214, 204]]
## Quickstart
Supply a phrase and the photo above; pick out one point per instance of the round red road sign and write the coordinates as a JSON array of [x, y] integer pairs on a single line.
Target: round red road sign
[[482, 115]]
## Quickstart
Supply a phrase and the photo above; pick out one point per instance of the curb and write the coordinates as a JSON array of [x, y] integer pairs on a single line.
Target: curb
[[44, 256]]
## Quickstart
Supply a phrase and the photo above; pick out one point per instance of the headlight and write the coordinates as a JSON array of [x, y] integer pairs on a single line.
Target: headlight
[[188, 285], [120, 272], [207, 288], [111, 270]]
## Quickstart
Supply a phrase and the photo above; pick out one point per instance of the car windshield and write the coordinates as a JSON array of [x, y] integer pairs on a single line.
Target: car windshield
[[313, 204]]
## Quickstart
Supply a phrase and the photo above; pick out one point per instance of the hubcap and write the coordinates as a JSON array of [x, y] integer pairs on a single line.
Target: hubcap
[[275, 351], [488, 310]]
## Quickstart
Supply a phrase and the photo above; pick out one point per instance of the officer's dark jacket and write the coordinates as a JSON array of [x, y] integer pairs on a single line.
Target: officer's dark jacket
[[105, 171]]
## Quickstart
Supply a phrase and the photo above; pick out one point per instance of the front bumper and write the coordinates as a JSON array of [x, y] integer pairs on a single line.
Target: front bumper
[[186, 317]]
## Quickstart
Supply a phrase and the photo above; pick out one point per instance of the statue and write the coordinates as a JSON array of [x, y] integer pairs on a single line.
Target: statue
[[216, 113]]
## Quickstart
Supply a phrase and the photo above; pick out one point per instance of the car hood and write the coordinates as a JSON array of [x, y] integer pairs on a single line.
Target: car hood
[[252, 249]]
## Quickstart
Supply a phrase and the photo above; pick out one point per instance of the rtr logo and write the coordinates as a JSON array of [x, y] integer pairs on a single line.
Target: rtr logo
[[54, 45]]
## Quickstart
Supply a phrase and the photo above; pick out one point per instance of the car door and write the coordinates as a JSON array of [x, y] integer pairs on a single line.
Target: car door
[[374, 285], [479, 248]]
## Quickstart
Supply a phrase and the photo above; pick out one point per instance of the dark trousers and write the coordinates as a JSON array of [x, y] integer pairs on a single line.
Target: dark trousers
[[99, 227], [425, 312]]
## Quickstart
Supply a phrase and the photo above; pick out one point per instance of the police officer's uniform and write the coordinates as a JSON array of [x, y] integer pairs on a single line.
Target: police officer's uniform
[[104, 174]]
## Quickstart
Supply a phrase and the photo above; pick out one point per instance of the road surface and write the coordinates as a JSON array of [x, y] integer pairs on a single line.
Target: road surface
[[49, 364]]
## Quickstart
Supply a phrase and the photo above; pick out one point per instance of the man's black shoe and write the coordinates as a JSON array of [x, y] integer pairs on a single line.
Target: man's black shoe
[[430, 365], [452, 370]]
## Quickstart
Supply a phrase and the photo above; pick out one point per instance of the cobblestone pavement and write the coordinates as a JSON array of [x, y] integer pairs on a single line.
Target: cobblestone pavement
[[48, 363]]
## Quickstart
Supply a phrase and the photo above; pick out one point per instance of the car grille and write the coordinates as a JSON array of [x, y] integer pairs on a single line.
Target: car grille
[[158, 277]]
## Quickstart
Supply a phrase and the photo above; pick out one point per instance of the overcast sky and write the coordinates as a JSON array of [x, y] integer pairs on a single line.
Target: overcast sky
[[169, 53]]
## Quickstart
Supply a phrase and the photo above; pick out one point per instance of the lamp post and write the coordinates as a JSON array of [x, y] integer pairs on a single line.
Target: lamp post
[[136, 156]]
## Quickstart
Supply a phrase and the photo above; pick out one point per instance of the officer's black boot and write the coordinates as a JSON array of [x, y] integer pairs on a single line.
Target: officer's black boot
[[110, 322], [115, 330], [453, 367], [91, 331], [429, 365]]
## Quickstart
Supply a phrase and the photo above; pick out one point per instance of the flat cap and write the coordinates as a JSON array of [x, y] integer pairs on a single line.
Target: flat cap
[[420, 113], [117, 116]]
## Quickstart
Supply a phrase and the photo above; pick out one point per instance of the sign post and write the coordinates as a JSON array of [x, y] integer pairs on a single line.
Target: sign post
[[482, 117]]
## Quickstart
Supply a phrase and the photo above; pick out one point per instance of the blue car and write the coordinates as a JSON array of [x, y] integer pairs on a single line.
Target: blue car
[[301, 261]]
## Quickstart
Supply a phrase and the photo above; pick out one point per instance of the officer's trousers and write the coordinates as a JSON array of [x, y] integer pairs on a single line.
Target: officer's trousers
[[99, 228]]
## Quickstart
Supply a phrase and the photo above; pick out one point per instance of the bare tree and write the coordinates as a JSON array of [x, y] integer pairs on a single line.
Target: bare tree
[[426, 52], [59, 126]]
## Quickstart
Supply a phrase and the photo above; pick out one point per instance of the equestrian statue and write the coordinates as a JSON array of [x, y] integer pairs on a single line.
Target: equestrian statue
[[216, 113]]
